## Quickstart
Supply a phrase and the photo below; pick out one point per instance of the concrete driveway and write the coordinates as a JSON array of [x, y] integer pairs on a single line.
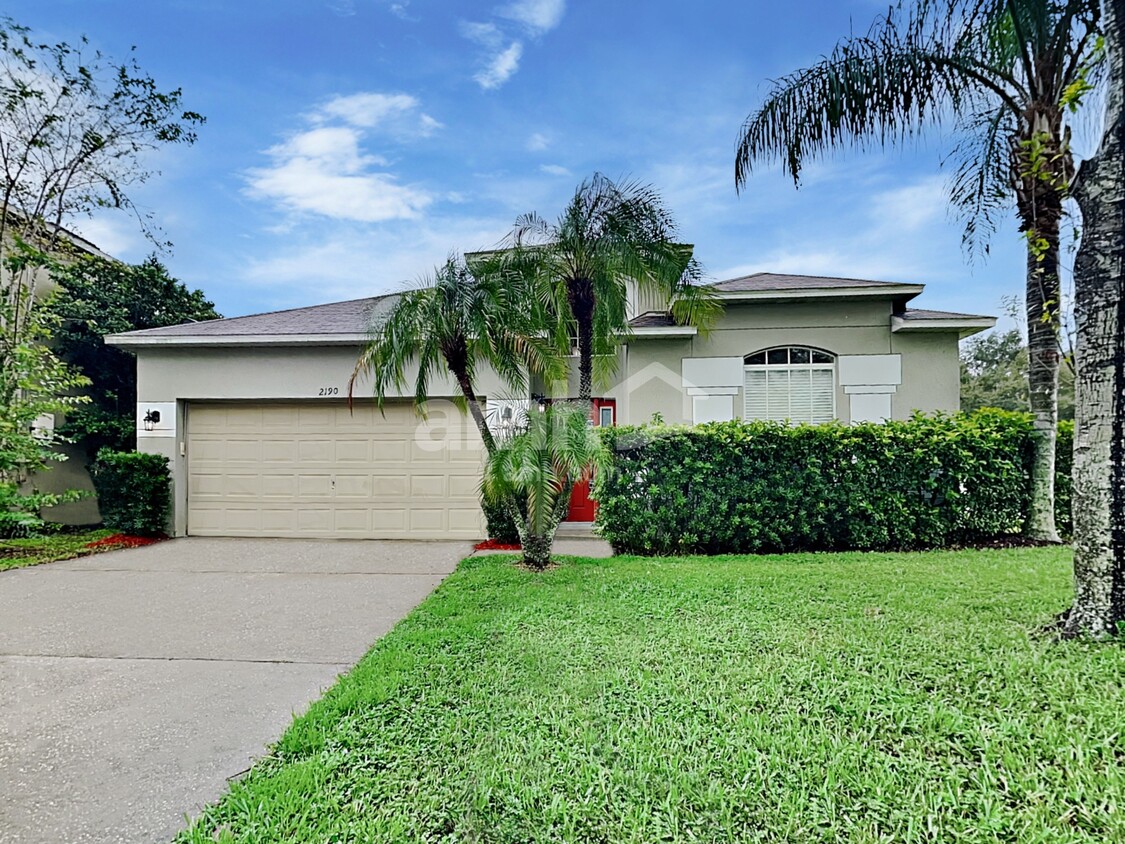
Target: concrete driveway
[[133, 684]]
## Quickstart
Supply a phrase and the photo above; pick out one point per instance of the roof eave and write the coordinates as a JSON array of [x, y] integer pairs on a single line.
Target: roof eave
[[964, 326], [134, 341], [662, 332], [904, 292]]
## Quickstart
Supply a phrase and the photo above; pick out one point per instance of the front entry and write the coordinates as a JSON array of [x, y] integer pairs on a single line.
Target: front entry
[[582, 507]]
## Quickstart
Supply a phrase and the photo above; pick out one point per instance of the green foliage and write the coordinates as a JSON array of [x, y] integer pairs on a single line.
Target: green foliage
[[799, 699], [461, 318], [539, 466], [994, 374], [610, 235], [100, 297], [736, 487], [501, 526], [33, 550], [35, 386], [984, 69], [134, 492]]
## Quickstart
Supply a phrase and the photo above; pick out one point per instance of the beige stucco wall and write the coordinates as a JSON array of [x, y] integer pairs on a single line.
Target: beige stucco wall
[[650, 382], [931, 373], [68, 474]]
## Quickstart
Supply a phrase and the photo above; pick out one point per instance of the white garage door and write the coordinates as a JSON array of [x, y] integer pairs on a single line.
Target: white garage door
[[314, 469]]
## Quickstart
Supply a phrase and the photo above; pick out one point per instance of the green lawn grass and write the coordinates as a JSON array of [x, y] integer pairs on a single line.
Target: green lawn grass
[[17, 553], [849, 697]]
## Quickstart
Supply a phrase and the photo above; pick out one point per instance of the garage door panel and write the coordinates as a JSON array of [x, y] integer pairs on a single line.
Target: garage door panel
[[464, 486], [315, 451], [353, 451], [321, 470], [354, 486], [279, 451], [390, 451], [427, 486], [426, 520]]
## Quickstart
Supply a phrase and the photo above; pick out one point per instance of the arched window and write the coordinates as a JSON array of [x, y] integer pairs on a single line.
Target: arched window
[[790, 384]]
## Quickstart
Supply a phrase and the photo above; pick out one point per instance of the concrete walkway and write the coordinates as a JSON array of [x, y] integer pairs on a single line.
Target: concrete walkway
[[133, 684]]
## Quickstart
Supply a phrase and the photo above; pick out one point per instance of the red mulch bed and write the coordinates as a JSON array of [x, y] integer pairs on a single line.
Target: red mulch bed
[[493, 545], [121, 540]]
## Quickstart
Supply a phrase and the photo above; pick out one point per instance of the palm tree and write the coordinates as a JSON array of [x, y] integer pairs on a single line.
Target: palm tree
[[610, 235], [457, 320], [1008, 73], [539, 466], [1099, 418]]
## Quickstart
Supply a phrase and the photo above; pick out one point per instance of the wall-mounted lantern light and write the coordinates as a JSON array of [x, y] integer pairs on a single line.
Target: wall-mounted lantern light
[[152, 419]]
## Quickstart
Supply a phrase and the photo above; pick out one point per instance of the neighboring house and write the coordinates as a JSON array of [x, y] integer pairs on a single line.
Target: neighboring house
[[252, 413], [71, 473]]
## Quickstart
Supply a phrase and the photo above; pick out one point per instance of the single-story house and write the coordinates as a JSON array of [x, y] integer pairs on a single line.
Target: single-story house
[[251, 411]]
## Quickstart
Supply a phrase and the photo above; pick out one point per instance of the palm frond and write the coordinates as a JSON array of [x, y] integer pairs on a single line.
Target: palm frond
[[878, 89]]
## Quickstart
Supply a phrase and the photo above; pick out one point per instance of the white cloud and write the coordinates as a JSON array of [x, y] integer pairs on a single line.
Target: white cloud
[[400, 10], [501, 67], [118, 235], [535, 17], [554, 170], [395, 113], [346, 262], [538, 15], [325, 170], [891, 235], [538, 142], [486, 34], [912, 207]]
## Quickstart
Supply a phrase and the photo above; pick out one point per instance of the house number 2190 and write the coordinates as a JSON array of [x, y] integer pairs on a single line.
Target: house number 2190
[[329, 391]]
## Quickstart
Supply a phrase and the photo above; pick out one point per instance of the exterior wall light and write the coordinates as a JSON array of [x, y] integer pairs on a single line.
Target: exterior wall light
[[151, 420]]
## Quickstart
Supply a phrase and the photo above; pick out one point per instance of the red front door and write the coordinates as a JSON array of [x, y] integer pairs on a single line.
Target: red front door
[[582, 506]]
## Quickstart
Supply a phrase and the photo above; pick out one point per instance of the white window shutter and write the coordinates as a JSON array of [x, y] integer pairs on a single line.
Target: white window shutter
[[823, 396], [755, 394], [777, 394]]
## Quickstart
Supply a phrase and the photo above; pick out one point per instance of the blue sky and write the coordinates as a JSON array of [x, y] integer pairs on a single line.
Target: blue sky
[[351, 144]]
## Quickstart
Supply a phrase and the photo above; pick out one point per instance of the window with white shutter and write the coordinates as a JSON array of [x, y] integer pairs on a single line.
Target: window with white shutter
[[791, 384]]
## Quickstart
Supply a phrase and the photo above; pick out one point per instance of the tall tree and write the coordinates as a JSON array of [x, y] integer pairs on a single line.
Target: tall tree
[[994, 374], [611, 235], [1099, 304], [460, 319], [74, 130], [97, 297], [75, 127], [1007, 74]]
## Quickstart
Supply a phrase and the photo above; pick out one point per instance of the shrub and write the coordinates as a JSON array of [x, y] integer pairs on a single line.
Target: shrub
[[737, 487], [134, 491], [501, 526]]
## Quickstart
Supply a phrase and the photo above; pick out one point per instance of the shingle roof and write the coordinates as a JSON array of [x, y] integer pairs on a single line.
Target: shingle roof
[[784, 281], [352, 317], [652, 319], [922, 314]]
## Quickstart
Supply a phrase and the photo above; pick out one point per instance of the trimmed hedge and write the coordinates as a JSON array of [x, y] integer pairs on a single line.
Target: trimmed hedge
[[501, 528], [738, 487], [134, 491]]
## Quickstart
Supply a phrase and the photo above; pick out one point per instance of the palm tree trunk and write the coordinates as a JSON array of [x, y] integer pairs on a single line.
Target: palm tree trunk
[[537, 552], [1099, 435], [580, 293], [1044, 357], [466, 385], [586, 360]]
